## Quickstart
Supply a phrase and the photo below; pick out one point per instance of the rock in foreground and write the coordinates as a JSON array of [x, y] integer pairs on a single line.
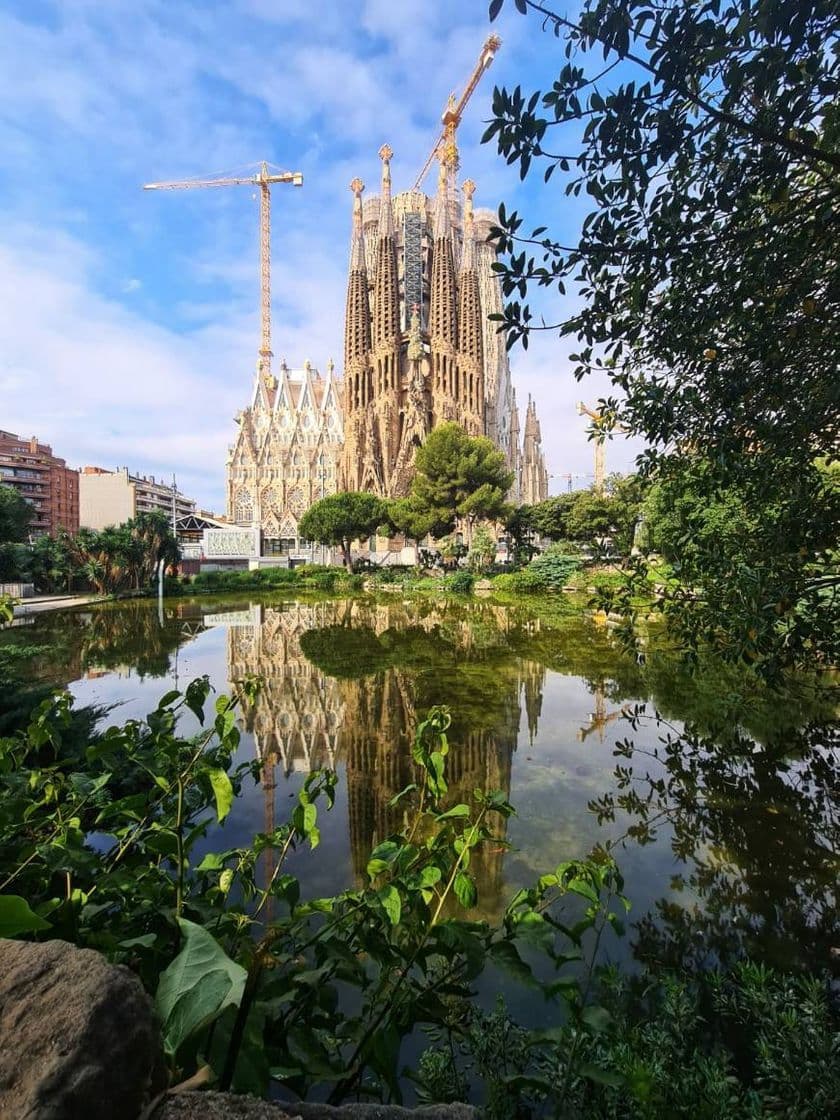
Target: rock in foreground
[[78, 1039]]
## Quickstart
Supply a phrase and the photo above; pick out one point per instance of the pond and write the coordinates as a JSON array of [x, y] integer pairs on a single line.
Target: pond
[[716, 796]]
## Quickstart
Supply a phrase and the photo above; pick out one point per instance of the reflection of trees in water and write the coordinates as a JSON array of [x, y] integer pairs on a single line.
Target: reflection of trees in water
[[754, 821], [125, 637], [347, 681]]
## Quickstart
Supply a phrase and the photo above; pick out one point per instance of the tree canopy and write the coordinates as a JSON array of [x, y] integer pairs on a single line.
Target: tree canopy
[[123, 556], [339, 519], [458, 477], [705, 279], [15, 515]]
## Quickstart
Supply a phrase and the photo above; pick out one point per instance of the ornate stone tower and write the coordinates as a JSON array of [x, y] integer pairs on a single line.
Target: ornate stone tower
[[419, 350], [416, 334], [286, 454], [533, 473]]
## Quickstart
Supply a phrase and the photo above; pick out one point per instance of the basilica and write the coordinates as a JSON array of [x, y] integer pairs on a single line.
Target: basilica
[[419, 350]]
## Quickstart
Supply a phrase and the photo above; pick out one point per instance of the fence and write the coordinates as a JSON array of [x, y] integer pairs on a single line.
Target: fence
[[18, 590]]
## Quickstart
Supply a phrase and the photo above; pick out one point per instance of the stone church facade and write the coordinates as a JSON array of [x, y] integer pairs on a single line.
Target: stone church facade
[[419, 350]]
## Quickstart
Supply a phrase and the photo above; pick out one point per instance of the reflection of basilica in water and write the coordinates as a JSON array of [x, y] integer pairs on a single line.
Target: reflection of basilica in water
[[344, 684]]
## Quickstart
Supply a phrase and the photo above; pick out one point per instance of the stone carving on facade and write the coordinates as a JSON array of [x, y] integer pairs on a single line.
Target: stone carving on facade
[[287, 451]]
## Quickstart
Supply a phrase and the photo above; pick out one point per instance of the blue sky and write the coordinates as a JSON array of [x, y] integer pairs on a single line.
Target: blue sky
[[129, 320]]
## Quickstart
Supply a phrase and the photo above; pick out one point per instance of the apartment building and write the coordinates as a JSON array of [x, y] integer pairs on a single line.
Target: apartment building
[[112, 497], [44, 480]]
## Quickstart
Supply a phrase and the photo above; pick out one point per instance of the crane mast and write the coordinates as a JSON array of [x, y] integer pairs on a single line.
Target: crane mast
[[264, 178], [446, 146], [600, 461], [597, 419]]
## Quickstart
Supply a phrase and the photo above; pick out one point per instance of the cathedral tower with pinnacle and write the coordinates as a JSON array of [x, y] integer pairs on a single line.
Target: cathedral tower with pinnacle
[[419, 350]]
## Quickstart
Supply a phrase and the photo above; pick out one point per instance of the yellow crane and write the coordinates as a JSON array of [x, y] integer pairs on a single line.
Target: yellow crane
[[264, 178], [446, 145], [597, 419]]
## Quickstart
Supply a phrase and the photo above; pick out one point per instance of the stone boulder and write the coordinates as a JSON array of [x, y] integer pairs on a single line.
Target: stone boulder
[[222, 1106], [78, 1037]]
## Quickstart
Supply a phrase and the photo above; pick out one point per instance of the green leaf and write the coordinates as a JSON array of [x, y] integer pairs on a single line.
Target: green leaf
[[584, 889], [144, 941], [389, 896], [465, 890], [223, 792], [598, 1019], [534, 929], [455, 811], [211, 862], [429, 876], [17, 918], [197, 986], [505, 955], [168, 699]]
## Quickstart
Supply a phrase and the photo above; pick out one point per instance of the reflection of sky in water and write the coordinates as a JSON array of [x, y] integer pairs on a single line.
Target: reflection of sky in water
[[372, 667]]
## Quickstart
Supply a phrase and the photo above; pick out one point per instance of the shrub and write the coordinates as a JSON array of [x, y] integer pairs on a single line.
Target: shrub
[[461, 583], [554, 568], [524, 582]]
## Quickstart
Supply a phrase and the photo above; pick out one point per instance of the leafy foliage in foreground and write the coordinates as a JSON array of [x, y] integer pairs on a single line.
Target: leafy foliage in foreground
[[706, 138], [105, 847], [749, 1044], [250, 977]]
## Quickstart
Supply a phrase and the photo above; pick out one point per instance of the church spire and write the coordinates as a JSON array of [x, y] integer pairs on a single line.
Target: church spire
[[357, 313], [386, 295], [534, 474], [357, 243], [469, 298], [442, 309]]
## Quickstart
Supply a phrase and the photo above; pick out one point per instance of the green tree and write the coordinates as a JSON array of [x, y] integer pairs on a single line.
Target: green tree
[[340, 519], [123, 556], [521, 529], [550, 518], [459, 477], [705, 135], [403, 517], [150, 540], [15, 515], [482, 549], [50, 563]]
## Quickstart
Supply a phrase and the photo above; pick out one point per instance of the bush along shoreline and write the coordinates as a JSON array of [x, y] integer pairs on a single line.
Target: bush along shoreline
[[265, 986]]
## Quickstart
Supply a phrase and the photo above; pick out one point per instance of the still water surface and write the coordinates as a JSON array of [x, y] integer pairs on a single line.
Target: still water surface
[[718, 799]]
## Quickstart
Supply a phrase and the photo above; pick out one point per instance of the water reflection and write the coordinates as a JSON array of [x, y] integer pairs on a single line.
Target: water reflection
[[720, 797], [388, 663]]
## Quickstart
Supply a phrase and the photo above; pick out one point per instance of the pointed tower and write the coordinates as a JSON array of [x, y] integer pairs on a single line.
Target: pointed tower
[[513, 452], [470, 326], [386, 292], [357, 345], [443, 322], [357, 310], [385, 379], [534, 484]]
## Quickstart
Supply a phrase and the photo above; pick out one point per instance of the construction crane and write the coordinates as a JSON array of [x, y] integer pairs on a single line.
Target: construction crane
[[569, 477], [446, 146], [264, 178], [597, 419]]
